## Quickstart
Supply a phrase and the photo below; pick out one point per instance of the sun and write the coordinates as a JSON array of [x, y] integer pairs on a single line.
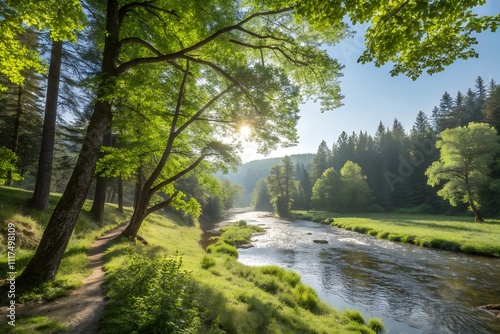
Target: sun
[[245, 131]]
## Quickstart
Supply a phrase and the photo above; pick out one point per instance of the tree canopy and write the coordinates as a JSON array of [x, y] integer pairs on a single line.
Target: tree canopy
[[464, 164]]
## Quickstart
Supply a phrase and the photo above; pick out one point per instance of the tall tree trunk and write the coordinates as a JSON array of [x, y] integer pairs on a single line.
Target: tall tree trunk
[[17, 126], [478, 217], [97, 210], [45, 263], [140, 213], [120, 193], [112, 193], [138, 187], [40, 199]]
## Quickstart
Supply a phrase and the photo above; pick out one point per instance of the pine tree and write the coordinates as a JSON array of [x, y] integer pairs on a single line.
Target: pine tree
[[282, 186], [491, 108], [260, 197], [21, 112], [321, 161], [343, 150]]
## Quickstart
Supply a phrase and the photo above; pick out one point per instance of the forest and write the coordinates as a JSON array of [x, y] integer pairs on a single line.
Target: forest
[[386, 172], [137, 105]]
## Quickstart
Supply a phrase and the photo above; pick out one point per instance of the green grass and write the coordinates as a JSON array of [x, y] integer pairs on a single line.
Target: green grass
[[452, 233], [230, 297], [239, 233], [29, 225], [34, 325], [233, 236]]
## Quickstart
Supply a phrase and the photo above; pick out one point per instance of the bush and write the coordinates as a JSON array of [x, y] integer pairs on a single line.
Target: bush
[[207, 262], [151, 296], [223, 248], [241, 223]]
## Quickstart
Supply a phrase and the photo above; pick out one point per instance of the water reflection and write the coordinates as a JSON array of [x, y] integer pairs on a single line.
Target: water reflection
[[414, 290]]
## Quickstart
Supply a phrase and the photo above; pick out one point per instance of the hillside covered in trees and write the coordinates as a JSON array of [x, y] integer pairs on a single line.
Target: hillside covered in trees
[[386, 171]]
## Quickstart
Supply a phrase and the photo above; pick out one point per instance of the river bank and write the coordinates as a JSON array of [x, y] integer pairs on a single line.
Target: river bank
[[229, 297], [459, 234], [414, 290]]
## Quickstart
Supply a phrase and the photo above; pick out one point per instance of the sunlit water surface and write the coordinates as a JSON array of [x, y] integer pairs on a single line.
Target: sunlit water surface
[[412, 289]]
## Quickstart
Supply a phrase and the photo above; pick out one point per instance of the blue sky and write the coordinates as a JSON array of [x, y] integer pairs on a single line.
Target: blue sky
[[372, 95]]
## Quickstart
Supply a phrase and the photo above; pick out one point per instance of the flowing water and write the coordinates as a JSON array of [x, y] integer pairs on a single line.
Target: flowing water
[[412, 289]]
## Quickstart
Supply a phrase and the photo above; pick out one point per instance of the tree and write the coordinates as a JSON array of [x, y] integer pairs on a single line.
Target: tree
[[466, 155], [412, 35], [304, 191], [321, 161], [40, 199], [8, 165], [355, 194], [282, 186], [491, 108], [445, 117], [61, 17], [260, 197], [343, 150], [326, 191]]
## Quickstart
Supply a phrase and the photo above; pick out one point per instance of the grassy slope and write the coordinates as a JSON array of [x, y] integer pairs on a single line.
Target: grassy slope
[[444, 232]]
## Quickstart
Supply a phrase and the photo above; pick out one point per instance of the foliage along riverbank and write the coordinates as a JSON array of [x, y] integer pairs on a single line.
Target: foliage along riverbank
[[173, 285], [451, 233], [210, 292]]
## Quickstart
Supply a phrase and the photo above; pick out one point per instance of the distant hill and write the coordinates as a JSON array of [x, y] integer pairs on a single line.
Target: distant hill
[[249, 173]]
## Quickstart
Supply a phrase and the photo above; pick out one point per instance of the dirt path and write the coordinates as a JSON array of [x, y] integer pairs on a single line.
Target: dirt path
[[80, 310]]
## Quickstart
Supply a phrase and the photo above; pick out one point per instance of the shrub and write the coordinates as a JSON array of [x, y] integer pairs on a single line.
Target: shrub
[[151, 296], [241, 223], [223, 248], [207, 262]]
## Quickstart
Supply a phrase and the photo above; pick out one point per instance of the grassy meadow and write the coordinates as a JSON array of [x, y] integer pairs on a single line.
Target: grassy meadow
[[172, 277], [460, 234]]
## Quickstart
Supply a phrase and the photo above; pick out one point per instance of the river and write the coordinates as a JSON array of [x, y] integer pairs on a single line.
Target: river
[[412, 289]]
